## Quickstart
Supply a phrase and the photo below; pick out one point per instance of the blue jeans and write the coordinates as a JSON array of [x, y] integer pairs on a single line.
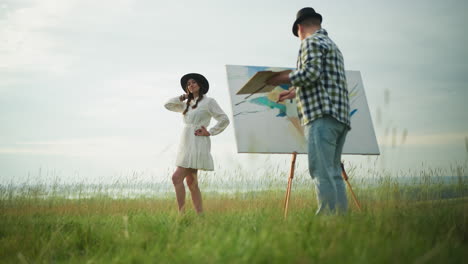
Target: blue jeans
[[326, 137]]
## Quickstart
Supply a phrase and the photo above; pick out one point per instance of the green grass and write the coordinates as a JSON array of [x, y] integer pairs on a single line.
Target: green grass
[[398, 224]]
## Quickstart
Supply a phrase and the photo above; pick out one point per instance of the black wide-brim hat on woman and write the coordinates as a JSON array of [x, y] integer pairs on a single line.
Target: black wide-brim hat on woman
[[201, 80], [303, 14]]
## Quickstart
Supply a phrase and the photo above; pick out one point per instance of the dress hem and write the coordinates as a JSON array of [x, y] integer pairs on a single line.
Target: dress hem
[[204, 169]]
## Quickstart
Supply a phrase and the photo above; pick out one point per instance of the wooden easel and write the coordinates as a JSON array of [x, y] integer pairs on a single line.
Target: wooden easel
[[288, 190], [291, 177]]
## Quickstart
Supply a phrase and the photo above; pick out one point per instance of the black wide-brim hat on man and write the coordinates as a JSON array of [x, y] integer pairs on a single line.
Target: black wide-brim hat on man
[[201, 80], [303, 14]]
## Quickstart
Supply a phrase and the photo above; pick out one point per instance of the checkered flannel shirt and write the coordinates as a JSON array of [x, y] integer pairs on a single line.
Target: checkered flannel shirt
[[320, 80]]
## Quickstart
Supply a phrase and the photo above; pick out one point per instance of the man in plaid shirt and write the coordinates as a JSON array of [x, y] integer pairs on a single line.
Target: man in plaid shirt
[[320, 88]]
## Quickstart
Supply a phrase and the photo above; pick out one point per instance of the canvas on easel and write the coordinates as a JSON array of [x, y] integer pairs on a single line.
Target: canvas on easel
[[259, 120]]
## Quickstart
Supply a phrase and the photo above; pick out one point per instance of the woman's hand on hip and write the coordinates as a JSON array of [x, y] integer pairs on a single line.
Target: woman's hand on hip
[[202, 132]]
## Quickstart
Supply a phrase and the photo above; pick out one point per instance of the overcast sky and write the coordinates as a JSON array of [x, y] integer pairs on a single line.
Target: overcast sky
[[83, 83]]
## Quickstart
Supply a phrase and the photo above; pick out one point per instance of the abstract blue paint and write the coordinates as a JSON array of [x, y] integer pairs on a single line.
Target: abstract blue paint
[[264, 101]]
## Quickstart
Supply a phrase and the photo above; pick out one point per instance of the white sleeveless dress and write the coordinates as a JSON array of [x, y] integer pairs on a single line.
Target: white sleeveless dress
[[195, 151]]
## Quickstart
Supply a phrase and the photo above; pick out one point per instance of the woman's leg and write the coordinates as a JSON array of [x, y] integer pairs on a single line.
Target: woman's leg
[[192, 182], [178, 181]]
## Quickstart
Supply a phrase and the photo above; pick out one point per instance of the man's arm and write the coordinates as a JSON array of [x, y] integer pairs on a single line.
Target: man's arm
[[279, 78], [311, 60]]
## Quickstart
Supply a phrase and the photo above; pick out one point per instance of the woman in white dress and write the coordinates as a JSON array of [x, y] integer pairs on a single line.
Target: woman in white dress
[[195, 145]]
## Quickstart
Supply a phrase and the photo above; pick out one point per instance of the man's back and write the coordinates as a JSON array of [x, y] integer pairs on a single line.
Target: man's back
[[320, 81]]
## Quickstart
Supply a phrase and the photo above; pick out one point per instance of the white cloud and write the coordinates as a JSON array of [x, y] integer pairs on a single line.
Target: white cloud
[[24, 44], [30, 35]]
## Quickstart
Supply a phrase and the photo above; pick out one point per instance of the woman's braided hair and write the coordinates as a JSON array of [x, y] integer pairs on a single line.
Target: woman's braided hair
[[190, 98]]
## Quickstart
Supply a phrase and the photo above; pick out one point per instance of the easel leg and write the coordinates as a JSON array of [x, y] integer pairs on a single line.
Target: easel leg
[[345, 177], [288, 189]]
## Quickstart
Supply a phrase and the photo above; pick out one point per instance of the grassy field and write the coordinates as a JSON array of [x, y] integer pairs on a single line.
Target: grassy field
[[398, 224]]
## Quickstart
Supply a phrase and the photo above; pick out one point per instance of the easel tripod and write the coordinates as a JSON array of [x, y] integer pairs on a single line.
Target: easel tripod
[[291, 177]]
